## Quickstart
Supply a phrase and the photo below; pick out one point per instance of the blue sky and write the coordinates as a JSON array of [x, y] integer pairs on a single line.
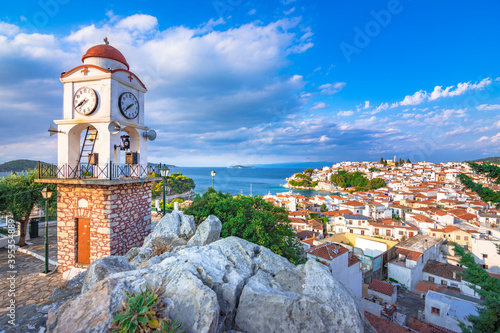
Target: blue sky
[[253, 82]]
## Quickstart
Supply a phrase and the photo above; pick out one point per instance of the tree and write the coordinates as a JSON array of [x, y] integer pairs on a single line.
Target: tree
[[408, 161], [308, 172], [488, 319], [357, 179], [486, 193], [376, 183], [176, 184], [323, 208], [382, 160], [18, 195], [250, 218]]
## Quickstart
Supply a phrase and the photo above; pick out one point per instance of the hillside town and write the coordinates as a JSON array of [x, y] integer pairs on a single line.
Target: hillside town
[[394, 246]]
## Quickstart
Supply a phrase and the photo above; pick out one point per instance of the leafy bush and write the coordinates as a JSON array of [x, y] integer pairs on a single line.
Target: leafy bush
[[356, 179], [250, 218], [176, 184], [140, 314], [486, 193]]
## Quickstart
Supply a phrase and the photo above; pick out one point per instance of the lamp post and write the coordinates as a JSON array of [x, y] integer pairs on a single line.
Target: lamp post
[[164, 170], [46, 194], [213, 173]]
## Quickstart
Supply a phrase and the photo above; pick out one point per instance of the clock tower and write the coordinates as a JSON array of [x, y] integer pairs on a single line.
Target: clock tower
[[102, 172], [103, 118]]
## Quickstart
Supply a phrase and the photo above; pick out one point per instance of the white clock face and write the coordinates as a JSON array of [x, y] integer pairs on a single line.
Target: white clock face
[[129, 106], [85, 101]]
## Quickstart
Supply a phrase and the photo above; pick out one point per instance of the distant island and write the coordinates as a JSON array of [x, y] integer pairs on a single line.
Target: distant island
[[489, 159], [170, 166], [240, 167], [18, 166]]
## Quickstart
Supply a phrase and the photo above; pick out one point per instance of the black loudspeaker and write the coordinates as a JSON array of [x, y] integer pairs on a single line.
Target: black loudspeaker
[[131, 158], [94, 158]]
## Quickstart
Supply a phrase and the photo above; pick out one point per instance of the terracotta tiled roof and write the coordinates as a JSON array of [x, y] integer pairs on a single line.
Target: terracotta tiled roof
[[411, 255], [450, 228], [304, 234], [309, 241], [382, 287], [297, 220], [337, 212], [443, 270], [382, 325], [423, 287], [426, 327], [105, 51], [353, 203], [327, 251], [353, 259]]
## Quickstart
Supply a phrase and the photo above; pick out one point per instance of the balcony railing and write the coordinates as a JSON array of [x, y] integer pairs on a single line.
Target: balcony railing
[[98, 171]]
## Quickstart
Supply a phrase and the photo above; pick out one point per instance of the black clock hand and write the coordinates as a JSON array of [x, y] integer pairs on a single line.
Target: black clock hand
[[128, 107], [81, 103]]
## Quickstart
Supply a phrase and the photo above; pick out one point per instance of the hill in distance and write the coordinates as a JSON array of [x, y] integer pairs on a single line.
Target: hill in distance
[[489, 159], [18, 166]]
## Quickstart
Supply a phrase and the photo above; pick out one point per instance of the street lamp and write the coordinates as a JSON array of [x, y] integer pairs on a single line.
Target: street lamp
[[164, 170], [213, 176], [46, 194]]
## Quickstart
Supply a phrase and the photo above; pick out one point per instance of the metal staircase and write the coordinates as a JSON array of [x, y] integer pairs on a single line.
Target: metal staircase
[[87, 148]]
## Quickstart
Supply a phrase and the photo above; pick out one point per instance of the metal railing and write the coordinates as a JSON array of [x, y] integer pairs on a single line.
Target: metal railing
[[99, 171]]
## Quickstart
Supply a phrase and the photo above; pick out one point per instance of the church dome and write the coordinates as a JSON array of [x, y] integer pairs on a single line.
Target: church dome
[[105, 51]]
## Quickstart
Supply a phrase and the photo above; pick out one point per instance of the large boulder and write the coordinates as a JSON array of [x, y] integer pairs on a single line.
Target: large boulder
[[207, 232], [101, 268], [168, 234], [230, 284], [173, 225]]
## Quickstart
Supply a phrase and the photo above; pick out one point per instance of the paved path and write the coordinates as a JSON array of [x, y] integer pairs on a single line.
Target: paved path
[[31, 285]]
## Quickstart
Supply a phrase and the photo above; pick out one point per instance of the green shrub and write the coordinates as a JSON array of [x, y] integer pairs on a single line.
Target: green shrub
[[140, 314]]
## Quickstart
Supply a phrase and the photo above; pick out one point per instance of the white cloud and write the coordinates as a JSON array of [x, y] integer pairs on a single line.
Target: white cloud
[[331, 88], [367, 105], [288, 12], [345, 113], [438, 92], [461, 89], [488, 107], [198, 78], [482, 138], [252, 12], [318, 105], [7, 29], [139, 23], [458, 130], [496, 138], [381, 107], [415, 99]]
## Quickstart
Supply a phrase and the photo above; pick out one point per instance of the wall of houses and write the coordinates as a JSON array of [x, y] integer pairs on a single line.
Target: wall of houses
[[450, 310], [388, 299], [407, 276], [482, 247], [120, 218], [462, 285]]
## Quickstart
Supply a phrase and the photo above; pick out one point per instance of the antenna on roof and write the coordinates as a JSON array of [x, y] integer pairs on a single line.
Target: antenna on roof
[[106, 40]]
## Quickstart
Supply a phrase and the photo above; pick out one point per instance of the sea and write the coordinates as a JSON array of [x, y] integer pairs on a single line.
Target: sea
[[246, 181]]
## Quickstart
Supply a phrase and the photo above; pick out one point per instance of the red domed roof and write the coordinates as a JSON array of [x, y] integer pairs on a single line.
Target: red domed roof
[[105, 51]]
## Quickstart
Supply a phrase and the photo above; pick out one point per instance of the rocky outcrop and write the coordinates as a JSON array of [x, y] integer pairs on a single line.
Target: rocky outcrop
[[208, 232], [229, 284], [101, 268]]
